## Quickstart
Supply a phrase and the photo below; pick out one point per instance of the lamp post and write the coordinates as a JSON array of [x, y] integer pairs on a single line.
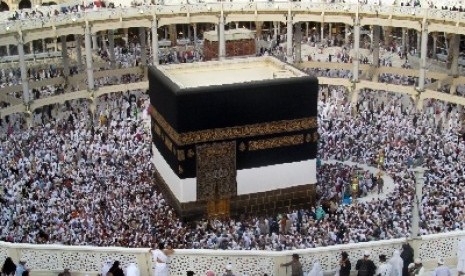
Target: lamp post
[[414, 227], [419, 180]]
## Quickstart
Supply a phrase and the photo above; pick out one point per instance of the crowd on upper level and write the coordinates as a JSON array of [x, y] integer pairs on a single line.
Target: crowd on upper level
[[48, 12]]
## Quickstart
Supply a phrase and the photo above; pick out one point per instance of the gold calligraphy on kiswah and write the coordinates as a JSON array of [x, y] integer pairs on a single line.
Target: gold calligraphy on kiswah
[[276, 142], [218, 134]]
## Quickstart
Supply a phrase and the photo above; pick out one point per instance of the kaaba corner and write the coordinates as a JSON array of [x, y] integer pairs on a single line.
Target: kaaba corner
[[234, 137]]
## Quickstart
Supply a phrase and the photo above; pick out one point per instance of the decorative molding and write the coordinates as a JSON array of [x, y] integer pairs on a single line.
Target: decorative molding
[[216, 171], [276, 142], [218, 134], [181, 155], [315, 137], [242, 146], [308, 138], [167, 141]]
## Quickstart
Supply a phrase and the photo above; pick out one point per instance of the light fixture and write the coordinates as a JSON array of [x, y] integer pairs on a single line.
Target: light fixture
[[141, 11], [7, 28], [74, 19]]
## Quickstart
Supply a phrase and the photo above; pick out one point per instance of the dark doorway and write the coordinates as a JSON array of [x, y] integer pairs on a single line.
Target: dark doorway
[[4, 7], [24, 4]]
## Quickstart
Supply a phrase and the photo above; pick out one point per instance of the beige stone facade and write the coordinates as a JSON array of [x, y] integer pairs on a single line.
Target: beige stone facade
[[13, 5]]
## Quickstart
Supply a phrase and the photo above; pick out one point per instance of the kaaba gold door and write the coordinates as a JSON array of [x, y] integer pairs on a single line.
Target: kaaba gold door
[[216, 176]]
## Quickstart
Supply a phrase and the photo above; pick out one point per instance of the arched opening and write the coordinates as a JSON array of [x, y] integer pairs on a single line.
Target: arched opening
[[49, 4], [4, 7], [25, 4]]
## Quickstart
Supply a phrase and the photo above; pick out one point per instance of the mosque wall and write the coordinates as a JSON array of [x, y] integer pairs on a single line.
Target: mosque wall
[[51, 259]]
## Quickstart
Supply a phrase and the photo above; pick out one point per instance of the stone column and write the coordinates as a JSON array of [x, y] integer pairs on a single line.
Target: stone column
[[64, 54], [298, 42], [149, 42], [330, 30], [375, 46], [423, 55], [195, 35], [404, 39], [8, 50], [94, 42], [289, 36], [126, 35], [387, 35], [258, 29], [454, 50], [89, 62], [419, 180], [142, 41], [189, 32], [22, 66], [355, 58], [322, 31], [111, 48], [104, 43], [435, 45], [307, 29], [354, 96], [79, 51], [347, 35], [221, 39], [173, 35], [418, 42], [31, 47], [155, 60], [275, 30]]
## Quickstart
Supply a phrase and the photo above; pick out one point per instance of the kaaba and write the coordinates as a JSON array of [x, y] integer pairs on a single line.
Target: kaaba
[[234, 137]]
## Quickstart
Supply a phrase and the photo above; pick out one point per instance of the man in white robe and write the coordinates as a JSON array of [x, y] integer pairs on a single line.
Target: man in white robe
[[106, 267], [418, 269], [160, 258], [316, 270], [397, 264], [385, 268], [132, 270], [461, 257], [441, 270]]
